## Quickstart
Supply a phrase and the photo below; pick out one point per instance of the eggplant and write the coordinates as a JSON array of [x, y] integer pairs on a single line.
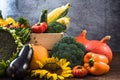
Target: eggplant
[[20, 67]]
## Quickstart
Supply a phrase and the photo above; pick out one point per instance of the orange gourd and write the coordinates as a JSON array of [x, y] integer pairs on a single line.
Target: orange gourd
[[96, 46], [100, 47], [40, 53]]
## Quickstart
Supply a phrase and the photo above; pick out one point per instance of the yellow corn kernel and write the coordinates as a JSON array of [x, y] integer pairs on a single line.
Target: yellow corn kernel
[[57, 12], [64, 20]]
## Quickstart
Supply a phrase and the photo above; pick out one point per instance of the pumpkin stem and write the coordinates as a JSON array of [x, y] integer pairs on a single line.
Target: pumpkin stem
[[83, 34], [105, 39]]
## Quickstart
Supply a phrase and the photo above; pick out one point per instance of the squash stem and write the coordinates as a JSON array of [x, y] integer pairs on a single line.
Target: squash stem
[[105, 39], [83, 34]]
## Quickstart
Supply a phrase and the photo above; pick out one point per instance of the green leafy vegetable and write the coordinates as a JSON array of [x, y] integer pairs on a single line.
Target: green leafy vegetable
[[24, 34], [23, 22]]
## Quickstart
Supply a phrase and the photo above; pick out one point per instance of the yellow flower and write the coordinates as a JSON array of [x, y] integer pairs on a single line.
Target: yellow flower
[[53, 68], [10, 20]]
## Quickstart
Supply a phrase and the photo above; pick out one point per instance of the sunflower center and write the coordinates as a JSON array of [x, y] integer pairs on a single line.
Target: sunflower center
[[7, 45], [53, 68]]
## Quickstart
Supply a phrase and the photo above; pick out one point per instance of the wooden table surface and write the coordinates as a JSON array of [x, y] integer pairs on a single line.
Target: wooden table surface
[[113, 74]]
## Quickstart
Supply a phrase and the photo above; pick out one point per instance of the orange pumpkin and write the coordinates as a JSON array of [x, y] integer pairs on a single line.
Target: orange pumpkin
[[40, 54]]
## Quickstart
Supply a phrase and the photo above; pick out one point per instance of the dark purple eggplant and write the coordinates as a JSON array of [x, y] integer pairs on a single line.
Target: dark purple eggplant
[[20, 67]]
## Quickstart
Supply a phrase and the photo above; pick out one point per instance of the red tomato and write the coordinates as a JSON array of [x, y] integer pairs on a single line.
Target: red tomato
[[79, 71]]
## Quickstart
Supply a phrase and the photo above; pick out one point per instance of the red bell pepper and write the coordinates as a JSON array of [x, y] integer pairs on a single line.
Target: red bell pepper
[[41, 26]]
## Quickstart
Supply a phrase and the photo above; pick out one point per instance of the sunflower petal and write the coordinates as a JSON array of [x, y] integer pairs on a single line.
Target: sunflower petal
[[67, 75], [66, 64], [67, 72], [62, 62], [66, 68], [49, 75], [34, 73], [60, 77], [42, 73], [54, 76], [39, 72], [40, 64]]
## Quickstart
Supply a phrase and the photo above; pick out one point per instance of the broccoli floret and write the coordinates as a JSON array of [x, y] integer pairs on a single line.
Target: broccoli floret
[[56, 27], [68, 48], [68, 40]]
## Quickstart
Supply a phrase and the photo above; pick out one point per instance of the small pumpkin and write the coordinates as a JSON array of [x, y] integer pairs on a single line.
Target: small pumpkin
[[40, 53], [96, 46], [79, 71], [100, 47]]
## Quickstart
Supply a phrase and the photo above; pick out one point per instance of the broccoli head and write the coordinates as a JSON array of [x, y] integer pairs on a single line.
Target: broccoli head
[[68, 48], [56, 27]]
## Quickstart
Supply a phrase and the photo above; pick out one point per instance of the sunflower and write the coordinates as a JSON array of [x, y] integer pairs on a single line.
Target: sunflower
[[53, 68]]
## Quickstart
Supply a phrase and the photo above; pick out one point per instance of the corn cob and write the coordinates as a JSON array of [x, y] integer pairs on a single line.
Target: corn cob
[[57, 13], [64, 20]]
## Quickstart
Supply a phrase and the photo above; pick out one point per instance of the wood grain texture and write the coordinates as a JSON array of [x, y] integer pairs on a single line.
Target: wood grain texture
[[47, 40]]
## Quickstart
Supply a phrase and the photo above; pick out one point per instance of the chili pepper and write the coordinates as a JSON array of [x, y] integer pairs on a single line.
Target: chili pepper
[[96, 64]]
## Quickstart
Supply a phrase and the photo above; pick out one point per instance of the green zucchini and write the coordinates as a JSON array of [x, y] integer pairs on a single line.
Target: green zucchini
[[43, 16]]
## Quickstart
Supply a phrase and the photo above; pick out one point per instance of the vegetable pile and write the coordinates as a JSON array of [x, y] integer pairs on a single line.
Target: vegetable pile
[[71, 56], [54, 22], [18, 32]]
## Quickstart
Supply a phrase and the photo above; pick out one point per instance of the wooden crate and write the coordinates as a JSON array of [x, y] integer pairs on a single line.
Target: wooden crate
[[47, 40]]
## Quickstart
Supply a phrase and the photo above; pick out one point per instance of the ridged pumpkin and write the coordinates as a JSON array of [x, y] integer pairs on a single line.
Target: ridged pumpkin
[[40, 53]]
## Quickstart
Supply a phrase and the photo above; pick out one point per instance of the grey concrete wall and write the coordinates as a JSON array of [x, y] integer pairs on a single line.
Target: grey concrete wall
[[98, 17]]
